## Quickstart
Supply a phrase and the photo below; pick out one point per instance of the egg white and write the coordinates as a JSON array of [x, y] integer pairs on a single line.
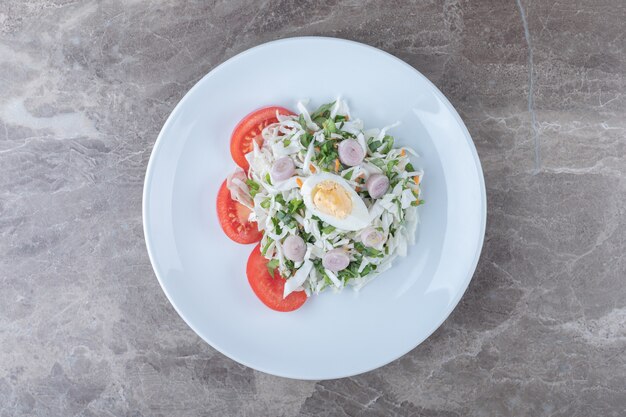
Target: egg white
[[357, 219]]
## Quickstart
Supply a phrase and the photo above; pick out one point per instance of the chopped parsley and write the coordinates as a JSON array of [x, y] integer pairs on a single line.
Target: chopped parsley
[[253, 186], [295, 205], [305, 139], [267, 245], [390, 165], [329, 127], [371, 252], [302, 122], [328, 230], [272, 265], [374, 145], [323, 111], [388, 142], [286, 219]]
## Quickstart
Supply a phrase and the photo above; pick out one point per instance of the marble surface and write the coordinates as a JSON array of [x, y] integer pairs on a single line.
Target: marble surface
[[86, 85]]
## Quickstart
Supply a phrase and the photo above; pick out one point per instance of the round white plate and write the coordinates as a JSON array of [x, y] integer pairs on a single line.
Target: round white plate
[[203, 273]]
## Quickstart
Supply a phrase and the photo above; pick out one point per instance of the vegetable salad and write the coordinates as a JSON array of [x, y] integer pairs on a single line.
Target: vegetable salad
[[336, 203]]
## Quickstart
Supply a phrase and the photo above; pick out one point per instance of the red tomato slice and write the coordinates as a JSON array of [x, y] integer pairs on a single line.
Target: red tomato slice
[[269, 288], [250, 129], [233, 218]]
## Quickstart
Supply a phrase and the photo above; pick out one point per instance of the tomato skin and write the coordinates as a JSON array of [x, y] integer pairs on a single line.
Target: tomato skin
[[233, 218], [270, 289], [248, 129]]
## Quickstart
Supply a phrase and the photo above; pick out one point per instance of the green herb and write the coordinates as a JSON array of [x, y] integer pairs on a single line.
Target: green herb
[[379, 163], [340, 118], [374, 145], [390, 165], [289, 264], [267, 245], [268, 179], [266, 203], [367, 270], [286, 219], [282, 216], [322, 111], [329, 127], [317, 264], [409, 167], [306, 139], [254, 187], [294, 205], [302, 122], [327, 147], [272, 265], [279, 199], [388, 141], [393, 179], [277, 227], [319, 120], [371, 252], [286, 143], [327, 154], [348, 175], [328, 229], [346, 275], [347, 135], [352, 271], [328, 161], [418, 202]]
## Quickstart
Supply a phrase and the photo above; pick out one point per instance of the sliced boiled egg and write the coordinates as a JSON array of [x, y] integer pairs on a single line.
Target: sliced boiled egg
[[331, 198]]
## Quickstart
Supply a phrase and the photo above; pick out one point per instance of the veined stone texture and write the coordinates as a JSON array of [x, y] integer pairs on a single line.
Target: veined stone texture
[[85, 329]]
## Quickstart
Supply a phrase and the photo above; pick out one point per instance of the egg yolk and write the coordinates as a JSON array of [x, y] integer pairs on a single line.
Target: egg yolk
[[331, 198]]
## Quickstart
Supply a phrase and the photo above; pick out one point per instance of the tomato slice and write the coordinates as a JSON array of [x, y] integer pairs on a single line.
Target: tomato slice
[[233, 217], [250, 128], [269, 288]]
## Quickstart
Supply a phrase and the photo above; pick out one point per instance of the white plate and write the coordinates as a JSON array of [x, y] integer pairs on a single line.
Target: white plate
[[203, 273]]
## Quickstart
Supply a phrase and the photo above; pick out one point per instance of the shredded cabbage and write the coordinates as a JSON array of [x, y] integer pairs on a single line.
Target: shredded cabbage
[[276, 206]]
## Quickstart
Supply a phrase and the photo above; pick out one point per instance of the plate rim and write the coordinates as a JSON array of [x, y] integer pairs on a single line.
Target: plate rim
[[436, 91]]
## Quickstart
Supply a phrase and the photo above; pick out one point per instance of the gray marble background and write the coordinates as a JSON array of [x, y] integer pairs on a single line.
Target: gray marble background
[[85, 87]]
